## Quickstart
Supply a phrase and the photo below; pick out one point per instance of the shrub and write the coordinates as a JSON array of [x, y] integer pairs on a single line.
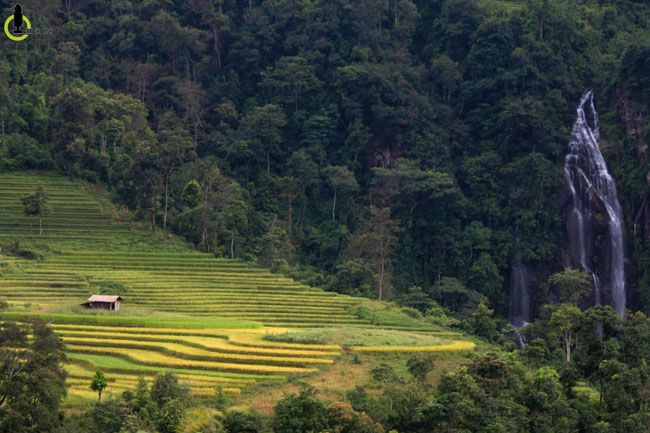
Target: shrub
[[248, 421], [110, 287], [412, 312], [300, 413]]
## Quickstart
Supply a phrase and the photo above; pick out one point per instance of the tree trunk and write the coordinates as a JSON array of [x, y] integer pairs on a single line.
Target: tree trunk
[[217, 50], [381, 275], [166, 200], [68, 7], [646, 212], [40, 226], [334, 204], [567, 341], [232, 244], [153, 221], [196, 140], [100, 396], [290, 216], [268, 163], [601, 391]]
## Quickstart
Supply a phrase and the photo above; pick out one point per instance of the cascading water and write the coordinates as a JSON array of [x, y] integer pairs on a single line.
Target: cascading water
[[521, 279], [594, 208]]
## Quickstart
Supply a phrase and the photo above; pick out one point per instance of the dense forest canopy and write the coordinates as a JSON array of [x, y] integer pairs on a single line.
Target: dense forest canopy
[[396, 148]]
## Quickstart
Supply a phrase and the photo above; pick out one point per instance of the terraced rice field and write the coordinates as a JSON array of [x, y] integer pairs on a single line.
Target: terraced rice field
[[180, 283], [74, 215], [85, 247], [204, 358]]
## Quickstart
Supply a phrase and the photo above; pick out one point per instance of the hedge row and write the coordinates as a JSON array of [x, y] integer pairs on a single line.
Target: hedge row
[[456, 346]]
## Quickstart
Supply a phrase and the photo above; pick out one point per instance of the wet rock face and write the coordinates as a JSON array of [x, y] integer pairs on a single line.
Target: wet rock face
[[591, 211], [522, 278]]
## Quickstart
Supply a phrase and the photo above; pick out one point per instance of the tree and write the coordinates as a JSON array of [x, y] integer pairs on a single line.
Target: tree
[[572, 285], [222, 206], [36, 205], [171, 399], [202, 420], [374, 241], [248, 421], [341, 418], [173, 143], [98, 384], [263, 127], [420, 367], [300, 413], [483, 323], [71, 117], [447, 76], [191, 194], [166, 388], [340, 178], [563, 326], [416, 298], [32, 378], [317, 134], [293, 73], [217, 20], [549, 411]]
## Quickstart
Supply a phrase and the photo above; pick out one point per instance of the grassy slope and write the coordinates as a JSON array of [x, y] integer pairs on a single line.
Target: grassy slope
[[186, 311]]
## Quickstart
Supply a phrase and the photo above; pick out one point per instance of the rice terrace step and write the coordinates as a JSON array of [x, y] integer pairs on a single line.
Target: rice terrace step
[[184, 311]]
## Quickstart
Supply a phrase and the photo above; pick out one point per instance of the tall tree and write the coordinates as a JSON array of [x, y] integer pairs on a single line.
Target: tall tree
[[293, 74], [340, 179], [263, 126], [71, 117], [98, 384], [32, 378], [572, 285], [563, 326], [374, 241], [172, 149], [36, 205]]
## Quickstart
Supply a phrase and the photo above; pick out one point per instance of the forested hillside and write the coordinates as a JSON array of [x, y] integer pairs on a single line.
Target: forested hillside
[[389, 148], [443, 154]]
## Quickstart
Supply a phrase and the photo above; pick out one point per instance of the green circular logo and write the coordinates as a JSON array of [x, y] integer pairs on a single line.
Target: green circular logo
[[8, 33]]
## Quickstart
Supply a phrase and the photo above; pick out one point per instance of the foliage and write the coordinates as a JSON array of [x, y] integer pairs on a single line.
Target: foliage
[[299, 413], [32, 378], [453, 112], [572, 285], [99, 383], [374, 243], [248, 421], [483, 323], [36, 205], [380, 146]]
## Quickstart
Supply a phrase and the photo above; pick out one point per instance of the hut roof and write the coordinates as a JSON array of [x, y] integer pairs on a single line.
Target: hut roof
[[104, 298]]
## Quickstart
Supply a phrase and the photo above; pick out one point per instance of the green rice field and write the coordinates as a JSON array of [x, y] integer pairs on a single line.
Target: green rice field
[[184, 311]]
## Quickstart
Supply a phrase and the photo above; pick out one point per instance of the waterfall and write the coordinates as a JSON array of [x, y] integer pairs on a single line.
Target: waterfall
[[594, 210], [521, 279]]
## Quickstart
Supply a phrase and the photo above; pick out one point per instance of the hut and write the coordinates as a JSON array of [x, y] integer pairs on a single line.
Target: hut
[[103, 302]]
